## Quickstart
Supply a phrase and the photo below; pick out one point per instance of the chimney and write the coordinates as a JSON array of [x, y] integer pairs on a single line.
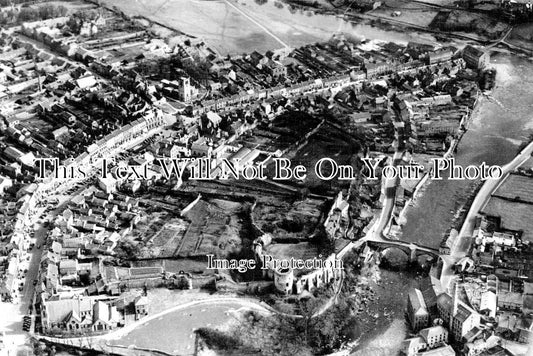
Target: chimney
[[455, 299]]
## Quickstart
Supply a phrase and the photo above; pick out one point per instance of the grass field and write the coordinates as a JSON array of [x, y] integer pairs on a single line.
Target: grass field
[[173, 333], [413, 13], [229, 31], [522, 35], [516, 186], [220, 25]]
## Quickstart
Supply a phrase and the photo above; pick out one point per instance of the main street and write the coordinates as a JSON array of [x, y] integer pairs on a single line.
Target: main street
[[11, 321]]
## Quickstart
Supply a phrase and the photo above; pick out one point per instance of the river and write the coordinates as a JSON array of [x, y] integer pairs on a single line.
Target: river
[[501, 122]]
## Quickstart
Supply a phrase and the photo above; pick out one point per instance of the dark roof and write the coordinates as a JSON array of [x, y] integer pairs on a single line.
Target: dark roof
[[463, 313], [496, 351], [472, 51]]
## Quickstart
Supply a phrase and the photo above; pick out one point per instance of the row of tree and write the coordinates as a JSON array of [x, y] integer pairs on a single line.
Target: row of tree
[[27, 14]]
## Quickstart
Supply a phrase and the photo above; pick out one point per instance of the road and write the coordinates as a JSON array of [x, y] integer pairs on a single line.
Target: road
[[488, 188], [12, 313], [462, 246], [501, 40], [172, 330], [389, 187]]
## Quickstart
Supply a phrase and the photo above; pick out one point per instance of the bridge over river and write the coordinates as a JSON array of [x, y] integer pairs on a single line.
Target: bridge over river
[[412, 250]]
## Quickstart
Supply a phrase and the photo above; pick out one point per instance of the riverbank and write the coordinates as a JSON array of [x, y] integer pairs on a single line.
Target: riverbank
[[425, 181], [500, 124]]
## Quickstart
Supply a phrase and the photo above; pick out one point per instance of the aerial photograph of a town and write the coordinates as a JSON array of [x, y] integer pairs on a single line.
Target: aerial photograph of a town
[[266, 177]]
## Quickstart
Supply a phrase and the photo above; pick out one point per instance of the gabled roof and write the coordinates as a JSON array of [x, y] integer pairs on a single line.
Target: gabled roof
[[417, 301], [105, 313], [141, 300], [434, 331], [463, 312], [413, 342], [445, 302], [59, 309]]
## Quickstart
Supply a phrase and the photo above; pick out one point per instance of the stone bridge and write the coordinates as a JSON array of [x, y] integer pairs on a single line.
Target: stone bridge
[[412, 250]]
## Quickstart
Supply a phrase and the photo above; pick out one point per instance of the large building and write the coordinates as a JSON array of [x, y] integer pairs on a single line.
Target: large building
[[417, 312], [475, 58], [455, 313]]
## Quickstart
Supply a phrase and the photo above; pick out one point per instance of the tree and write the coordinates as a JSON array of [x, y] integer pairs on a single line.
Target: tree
[[218, 339], [27, 14], [328, 330]]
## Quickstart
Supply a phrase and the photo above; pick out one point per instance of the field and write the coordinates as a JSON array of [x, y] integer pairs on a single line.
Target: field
[[72, 6], [215, 229], [514, 216], [327, 142], [412, 13], [173, 333], [484, 25], [522, 35], [231, 27], [516, 186], [220, 25], [209, 227], [286, 220]]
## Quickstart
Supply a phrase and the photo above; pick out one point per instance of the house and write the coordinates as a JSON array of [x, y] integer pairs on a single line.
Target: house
[[68, 267], [214, 118], [417, 312], [108, 184], [442, 55], [477, 346], [427, 339], [105, 317], [434, 336], [276, 69], [200, 148], [374, 69], [420, 48], [62, 131], [12, 153], [141, 307], [78, 313], [511, 301], [257, 58], [489, 303], [86, 82]]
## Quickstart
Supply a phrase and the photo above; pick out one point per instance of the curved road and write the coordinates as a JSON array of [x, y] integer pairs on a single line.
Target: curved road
[[170, 331], [174, 331], [461, 247]]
